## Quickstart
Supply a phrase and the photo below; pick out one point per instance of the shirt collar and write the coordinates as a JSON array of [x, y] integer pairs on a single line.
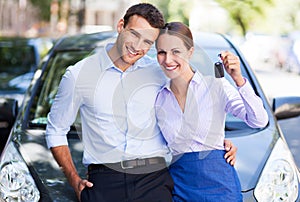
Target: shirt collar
[[106, 62], [104, 59], [197, 78]]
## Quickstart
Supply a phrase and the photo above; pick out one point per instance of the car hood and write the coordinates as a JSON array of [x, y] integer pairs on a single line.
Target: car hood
[[253, 151], [49, 178], [33, 148]]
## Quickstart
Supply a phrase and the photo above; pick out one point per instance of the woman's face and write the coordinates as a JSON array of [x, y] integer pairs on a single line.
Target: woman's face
[[172, 55]]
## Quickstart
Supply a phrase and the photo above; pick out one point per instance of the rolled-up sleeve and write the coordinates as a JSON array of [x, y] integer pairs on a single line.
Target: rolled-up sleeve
[[63, 112]]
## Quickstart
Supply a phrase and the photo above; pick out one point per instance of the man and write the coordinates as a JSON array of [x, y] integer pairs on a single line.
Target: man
[[115, 92]]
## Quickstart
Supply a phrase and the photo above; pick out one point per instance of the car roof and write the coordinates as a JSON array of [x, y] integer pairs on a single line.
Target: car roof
[[90, 41], [16, 41], [82, 41], [213, 40]]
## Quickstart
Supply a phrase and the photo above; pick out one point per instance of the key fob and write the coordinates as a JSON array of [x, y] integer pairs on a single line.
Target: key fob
[[219, 70]]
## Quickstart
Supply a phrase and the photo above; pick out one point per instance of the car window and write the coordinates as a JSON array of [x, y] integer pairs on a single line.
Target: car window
[[49, 85], [15, 64]]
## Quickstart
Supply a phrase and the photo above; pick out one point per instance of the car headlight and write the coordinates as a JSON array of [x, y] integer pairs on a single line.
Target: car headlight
[[279, 179], [16, 182]]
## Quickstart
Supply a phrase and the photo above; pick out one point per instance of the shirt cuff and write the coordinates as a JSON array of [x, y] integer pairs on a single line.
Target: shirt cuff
[[56, 140]]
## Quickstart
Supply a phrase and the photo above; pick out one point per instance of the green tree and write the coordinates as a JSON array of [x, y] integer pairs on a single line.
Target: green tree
[[289, 14], [179, 10], [244, 13], [174, 10], [44, 8], [162, 5]]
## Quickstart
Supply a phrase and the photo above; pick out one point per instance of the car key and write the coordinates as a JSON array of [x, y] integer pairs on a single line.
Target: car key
[[219, 70]]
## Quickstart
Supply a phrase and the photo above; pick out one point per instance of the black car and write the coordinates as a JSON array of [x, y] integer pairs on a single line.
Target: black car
[[29, 172], [19, 58]]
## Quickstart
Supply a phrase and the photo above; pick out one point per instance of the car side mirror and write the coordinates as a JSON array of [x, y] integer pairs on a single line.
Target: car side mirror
[[286, 107], [8, 115]]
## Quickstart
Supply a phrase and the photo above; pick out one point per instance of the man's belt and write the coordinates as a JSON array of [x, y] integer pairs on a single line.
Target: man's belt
[[129, 164]]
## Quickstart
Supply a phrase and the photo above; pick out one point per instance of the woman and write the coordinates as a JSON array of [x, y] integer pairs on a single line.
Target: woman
[[191, 111]]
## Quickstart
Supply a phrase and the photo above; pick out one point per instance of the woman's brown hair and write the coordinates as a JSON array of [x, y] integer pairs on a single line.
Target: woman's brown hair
[[180, 30]]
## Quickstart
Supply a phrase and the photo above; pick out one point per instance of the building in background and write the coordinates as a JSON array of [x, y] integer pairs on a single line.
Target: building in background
[[66, 17], [17, 17]]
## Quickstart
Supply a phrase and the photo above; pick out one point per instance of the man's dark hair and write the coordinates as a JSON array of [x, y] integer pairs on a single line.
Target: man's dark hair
[[147, 11]]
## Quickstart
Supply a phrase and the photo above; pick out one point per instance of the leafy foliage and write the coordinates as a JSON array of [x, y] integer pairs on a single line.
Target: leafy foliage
[[246, 12], [44, 8], [174, 10]]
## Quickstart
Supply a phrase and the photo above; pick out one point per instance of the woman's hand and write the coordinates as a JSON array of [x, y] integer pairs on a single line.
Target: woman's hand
[[231, 150], [232, 66]]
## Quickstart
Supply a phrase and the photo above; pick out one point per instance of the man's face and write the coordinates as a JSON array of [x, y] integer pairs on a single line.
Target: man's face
[[135, 39]]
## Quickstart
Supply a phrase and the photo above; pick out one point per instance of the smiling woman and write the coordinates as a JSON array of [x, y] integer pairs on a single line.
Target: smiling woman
[[191, 110]]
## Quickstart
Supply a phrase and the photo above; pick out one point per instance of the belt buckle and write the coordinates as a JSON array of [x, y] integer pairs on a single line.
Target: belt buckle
[[124, 166]]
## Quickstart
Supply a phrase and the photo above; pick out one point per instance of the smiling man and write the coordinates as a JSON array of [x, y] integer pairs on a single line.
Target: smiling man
[[115, 91]]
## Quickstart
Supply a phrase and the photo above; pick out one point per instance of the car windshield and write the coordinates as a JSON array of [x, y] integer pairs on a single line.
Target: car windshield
[[203, 60], [17, 63]]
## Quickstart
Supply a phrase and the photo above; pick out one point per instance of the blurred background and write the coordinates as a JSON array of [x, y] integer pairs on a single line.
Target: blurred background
[[267, 31], [58, 17]]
